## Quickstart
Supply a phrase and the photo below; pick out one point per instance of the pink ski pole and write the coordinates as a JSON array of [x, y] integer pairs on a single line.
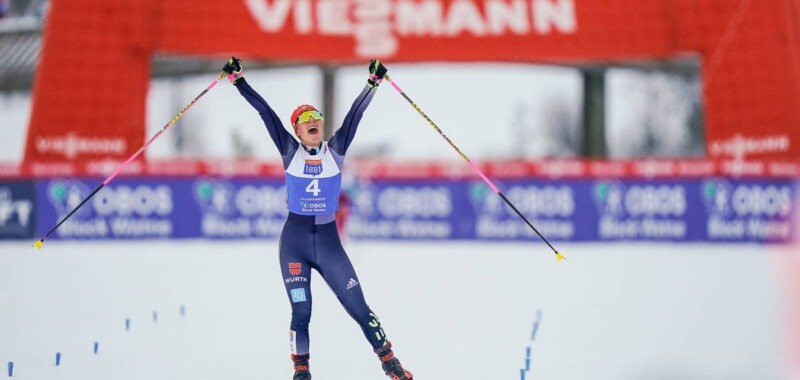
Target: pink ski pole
[[474, 167], [38, 243]]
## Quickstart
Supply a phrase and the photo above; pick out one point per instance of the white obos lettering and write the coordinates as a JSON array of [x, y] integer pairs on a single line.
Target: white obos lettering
[[546, 201], [142, 200], [656, 200], [757, 200], [264, 200], [409, 201]]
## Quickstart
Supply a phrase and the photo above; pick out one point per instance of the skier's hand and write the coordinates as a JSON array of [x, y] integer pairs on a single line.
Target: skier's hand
[[233, 68], [376, 72]]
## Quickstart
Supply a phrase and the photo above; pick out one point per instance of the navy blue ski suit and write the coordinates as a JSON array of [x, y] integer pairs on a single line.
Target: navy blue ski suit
[[312, 241]]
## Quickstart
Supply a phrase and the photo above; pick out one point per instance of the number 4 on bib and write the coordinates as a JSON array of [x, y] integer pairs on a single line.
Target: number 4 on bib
[[313, 187]]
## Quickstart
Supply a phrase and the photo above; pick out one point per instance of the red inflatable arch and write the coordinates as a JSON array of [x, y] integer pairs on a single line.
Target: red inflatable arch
[[90, 88]]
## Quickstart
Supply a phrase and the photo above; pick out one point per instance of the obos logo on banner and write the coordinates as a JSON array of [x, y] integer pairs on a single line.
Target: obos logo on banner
[[236, 211], [116, 211], [751, 211], [644, 211], [402, 212], [552, 207], [16, 210]]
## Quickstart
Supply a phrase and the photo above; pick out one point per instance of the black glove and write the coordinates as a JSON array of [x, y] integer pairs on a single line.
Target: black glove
[[376, 72], [233, 68]]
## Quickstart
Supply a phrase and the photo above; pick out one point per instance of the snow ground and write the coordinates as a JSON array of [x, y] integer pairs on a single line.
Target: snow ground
[[455, 310]]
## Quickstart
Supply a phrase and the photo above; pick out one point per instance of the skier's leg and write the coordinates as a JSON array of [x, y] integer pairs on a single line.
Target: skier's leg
[[295, 251], [337, 270]]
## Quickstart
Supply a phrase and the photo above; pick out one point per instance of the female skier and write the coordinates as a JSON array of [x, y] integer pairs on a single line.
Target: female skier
[[309, 239]]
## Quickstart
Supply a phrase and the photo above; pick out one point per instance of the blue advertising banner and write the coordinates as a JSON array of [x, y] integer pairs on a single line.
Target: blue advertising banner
[[758, 211], [17, 209], [141, 208], [663, 210], [557, 209], [698, 209], [577, 210], [147, 208], [411, 210], [238, 208], [573, 210]]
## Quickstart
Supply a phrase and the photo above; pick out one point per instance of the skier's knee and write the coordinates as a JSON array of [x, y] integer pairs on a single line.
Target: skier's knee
[[301, 316]]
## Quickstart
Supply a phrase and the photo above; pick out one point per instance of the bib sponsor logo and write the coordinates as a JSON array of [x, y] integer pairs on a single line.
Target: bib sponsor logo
[[313, 167]]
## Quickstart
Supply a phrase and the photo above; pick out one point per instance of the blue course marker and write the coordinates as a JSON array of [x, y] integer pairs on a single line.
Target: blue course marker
[[10, 369], [522, 374], [127, 324], [155, 316], [96, 346], [58, 358], [528, 358], [536, 324], [183, 311], [528, 348]]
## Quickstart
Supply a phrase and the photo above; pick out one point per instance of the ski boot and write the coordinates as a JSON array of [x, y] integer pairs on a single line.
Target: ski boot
[[391, 365], [301, 367]]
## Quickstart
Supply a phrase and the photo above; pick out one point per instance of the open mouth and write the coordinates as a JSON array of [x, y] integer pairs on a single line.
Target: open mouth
[[313, 131]]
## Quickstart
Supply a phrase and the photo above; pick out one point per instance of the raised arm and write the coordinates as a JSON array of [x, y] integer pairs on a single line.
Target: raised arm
[[342, 138], [280, 136]]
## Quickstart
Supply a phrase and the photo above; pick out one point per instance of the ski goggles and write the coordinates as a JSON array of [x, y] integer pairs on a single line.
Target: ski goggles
[[308, 115]]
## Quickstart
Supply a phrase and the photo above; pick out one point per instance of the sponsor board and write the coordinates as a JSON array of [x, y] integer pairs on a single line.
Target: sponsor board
[[143, 208], [714, 209], [408, 210], [126, 209], [646, 210], [17, 210], [758, 211], [240, 208], [551, 206], [698, 209]]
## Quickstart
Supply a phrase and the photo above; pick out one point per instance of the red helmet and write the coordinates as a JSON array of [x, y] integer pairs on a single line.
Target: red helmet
[[300, 109]]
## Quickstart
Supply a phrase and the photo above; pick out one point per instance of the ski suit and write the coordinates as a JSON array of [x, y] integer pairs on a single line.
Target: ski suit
[[310, 239]]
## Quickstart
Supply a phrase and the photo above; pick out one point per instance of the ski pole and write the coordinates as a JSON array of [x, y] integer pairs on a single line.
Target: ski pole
[[559, 256], [38, 243]]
